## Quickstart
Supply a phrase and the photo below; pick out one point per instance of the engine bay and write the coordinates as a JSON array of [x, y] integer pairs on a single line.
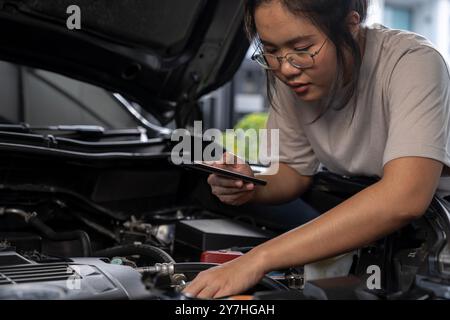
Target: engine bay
[[143, 231]]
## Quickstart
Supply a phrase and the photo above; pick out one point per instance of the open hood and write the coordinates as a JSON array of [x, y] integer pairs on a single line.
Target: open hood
[[161, 54]]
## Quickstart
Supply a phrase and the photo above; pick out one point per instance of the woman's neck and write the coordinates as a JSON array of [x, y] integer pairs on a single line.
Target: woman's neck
[[362, 36], [350, 60]]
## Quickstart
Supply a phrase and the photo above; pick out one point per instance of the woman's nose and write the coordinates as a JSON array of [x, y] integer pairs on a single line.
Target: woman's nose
[[288, 70]]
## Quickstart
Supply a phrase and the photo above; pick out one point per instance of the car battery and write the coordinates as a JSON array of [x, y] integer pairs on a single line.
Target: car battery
[[219, 234], [220, 256]]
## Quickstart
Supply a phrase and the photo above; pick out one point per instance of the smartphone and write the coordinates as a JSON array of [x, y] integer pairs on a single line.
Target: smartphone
[[197, 165]]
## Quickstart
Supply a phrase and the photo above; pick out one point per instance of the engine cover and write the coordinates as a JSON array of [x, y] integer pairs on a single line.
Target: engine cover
[[73, 279]]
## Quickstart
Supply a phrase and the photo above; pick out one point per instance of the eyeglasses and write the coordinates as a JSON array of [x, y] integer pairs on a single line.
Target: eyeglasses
[[299, 60]]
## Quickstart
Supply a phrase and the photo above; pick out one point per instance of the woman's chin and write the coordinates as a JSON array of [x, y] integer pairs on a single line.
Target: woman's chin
[[310, 96]]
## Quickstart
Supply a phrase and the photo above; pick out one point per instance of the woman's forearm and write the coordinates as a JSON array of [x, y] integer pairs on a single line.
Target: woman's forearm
[[284, 186], [353, 224]]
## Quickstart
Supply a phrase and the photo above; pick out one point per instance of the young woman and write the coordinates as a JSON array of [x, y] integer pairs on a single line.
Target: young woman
[[359, 100]]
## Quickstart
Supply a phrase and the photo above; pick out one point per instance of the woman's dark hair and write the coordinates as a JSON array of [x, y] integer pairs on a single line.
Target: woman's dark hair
[[330, 16]]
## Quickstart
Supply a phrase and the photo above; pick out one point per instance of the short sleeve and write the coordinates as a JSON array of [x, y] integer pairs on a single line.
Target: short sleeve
[[294, 147], [419, 107]]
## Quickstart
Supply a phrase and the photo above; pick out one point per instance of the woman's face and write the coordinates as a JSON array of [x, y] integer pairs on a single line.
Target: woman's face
[[281, 32]]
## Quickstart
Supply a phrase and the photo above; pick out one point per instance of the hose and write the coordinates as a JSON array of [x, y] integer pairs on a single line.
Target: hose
[[48, 233], [96, 226], [193, 267], [157, 254]]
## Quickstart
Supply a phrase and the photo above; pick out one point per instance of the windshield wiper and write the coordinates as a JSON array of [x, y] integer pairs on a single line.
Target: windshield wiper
[[85, 131], [26, 128]]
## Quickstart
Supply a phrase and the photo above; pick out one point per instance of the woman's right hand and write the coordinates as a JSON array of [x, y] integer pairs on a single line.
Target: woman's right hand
[[231, 191]]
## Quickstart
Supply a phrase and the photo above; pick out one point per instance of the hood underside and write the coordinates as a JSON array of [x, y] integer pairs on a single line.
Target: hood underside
[[161, 54]]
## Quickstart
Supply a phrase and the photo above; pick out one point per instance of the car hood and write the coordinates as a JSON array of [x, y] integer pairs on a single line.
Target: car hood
[[164, 55]]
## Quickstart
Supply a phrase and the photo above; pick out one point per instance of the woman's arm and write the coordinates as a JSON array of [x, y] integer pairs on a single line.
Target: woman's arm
[[402, 195], [284, 186]]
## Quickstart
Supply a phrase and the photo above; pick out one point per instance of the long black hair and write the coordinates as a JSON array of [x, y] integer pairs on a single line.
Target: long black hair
[[330, 16]]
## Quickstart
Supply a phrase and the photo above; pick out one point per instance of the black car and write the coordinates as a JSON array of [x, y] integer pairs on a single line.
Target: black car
[[91, 207]]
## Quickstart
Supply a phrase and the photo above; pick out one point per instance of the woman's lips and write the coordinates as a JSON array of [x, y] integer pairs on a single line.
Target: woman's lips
[[301, 88]]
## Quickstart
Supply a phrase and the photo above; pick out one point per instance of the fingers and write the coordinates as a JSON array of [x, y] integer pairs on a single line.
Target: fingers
[[202, 291], [233, 200], [194, 288], [222, 294], [220, 191], [208, 292], [201, 287], [230, 200], [229, 191], [215, 180], [221, 281]]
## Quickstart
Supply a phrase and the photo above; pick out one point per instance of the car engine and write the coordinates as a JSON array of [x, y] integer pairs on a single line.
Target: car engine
[[93, 238]]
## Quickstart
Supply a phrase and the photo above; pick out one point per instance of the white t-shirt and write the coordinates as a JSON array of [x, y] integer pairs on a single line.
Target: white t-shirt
[[403, 109]]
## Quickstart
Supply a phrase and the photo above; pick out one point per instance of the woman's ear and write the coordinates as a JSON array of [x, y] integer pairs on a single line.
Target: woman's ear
[[354, 23]]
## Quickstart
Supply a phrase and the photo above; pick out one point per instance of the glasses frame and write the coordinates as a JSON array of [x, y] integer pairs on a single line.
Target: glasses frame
[[281, 58]]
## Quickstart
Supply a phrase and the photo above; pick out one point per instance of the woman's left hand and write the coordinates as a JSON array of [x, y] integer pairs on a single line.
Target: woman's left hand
[[231, 278]]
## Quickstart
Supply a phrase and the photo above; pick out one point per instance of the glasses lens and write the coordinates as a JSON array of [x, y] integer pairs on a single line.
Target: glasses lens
[[272, 61], [297, 59], [266, 61], [300, 60]]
